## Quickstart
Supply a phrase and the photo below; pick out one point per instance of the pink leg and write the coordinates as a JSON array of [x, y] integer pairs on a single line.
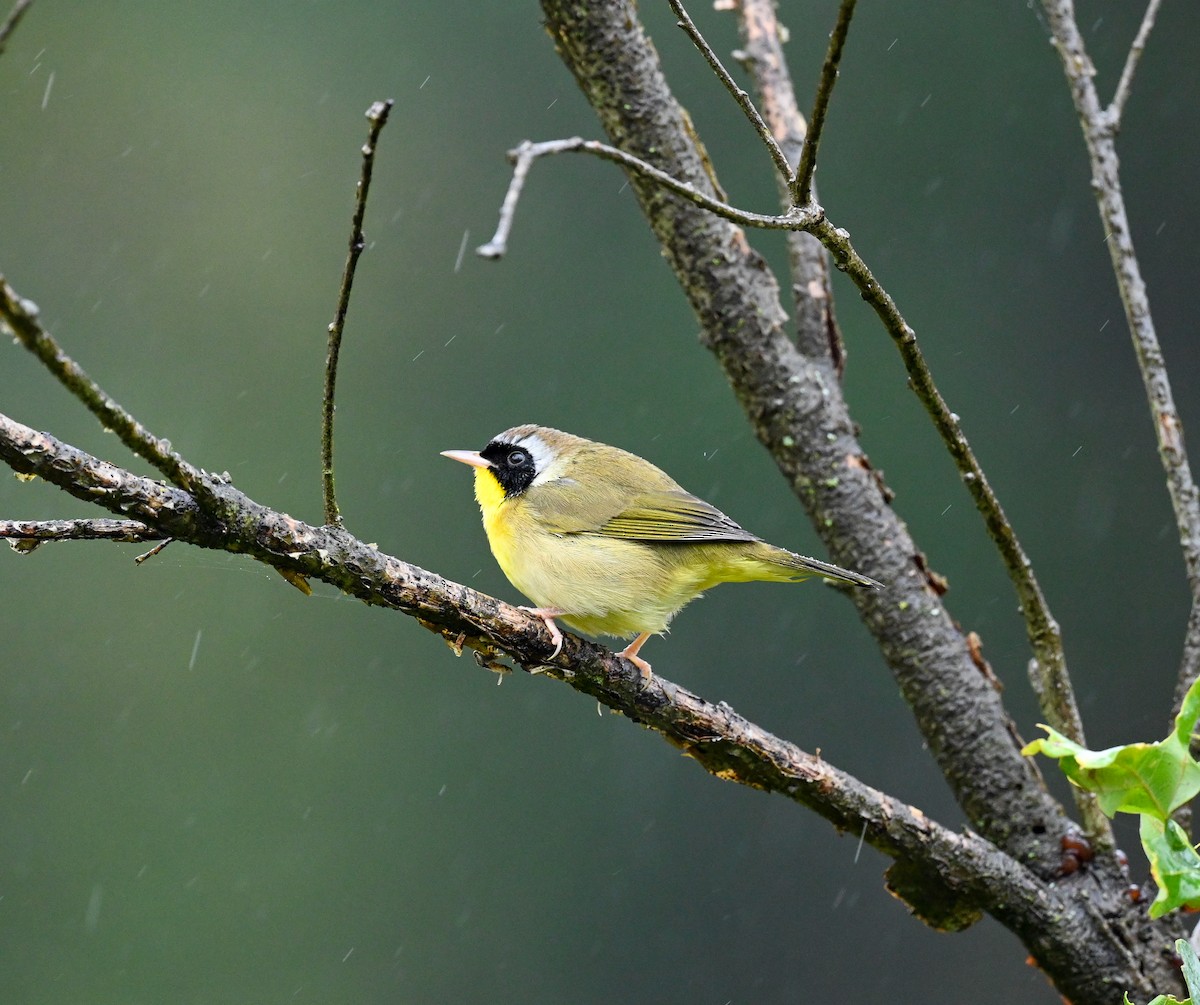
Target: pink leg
[[630, 652], [548, 614]]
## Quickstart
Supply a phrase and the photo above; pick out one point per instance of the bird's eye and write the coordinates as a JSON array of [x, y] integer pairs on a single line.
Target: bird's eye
[[517, 458]]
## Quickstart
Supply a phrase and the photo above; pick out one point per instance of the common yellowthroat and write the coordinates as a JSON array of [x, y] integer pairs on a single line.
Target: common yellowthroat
[[609, 543]]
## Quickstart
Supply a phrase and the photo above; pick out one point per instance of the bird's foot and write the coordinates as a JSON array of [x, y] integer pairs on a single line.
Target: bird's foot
[[630, 652]]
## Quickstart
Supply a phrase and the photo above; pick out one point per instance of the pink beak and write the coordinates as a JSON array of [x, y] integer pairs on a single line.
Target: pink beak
[[471, 457]]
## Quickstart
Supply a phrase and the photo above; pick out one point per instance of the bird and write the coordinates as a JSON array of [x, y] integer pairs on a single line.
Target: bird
[[609, 543]]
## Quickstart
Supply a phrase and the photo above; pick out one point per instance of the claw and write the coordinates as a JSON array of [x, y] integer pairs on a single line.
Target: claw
[[548, 614]]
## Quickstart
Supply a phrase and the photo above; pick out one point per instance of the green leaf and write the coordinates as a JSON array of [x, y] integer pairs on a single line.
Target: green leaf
[[1148, 778], [1191, 967], [1173, 863]]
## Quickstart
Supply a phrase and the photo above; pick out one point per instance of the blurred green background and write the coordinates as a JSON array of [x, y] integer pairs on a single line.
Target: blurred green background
[[213, 789]]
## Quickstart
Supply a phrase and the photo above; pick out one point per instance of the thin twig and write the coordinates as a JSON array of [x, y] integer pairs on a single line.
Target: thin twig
[[20, 318], [377, 116], [1043, 630], [525, 154], [731, 85], [139, 559], [522, 158], [13, 19], [802, 182], [26, 535], [1117, 108], [1052, 683], [1099, 137]]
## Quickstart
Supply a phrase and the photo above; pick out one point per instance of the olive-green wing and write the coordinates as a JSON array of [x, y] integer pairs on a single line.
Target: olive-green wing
[[673, 516]]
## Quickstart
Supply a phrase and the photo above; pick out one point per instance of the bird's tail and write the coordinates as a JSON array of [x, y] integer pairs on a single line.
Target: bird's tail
[[797, 567]]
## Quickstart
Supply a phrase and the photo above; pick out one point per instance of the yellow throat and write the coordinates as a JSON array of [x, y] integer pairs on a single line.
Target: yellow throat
[[489, 493]]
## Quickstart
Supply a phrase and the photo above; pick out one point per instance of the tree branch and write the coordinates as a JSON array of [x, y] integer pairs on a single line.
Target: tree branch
[[1099, 136], [966, 869], [26, 535], [715, 735], [1082, 929], [377, 116]]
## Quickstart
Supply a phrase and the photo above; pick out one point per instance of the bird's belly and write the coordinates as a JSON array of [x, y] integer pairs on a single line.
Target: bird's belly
[[602, 586]]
